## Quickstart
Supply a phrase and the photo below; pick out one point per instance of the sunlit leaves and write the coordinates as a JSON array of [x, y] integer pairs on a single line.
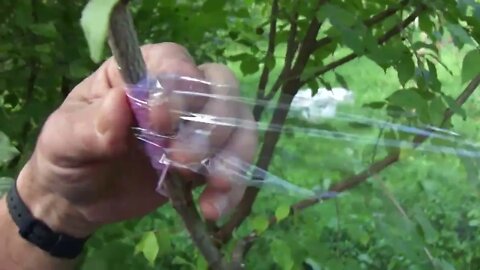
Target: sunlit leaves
[[281, 254], [259, 223], [459, 35], [95, 21], [282, 212], [471, 66], [148, 246], [7, 151], [407, 98]]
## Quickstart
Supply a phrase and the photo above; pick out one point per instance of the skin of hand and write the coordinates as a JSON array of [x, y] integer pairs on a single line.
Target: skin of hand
[[88, 169]]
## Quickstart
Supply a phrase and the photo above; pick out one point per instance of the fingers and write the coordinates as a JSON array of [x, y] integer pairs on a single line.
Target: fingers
[[164, 63], [226, 184], [203, 135]]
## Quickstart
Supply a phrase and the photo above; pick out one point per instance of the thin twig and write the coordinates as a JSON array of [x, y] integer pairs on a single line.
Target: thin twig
[[270, 51], [291, 50], [125, 48]]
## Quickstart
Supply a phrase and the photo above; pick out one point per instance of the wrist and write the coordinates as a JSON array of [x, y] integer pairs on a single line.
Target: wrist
[[51, 208]]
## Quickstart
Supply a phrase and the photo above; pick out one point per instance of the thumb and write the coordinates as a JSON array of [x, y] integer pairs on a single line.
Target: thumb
[[80, 133], [113, 121]]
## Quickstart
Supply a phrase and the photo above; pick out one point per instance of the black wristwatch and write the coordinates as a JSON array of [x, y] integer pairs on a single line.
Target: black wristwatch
[[36, 232]]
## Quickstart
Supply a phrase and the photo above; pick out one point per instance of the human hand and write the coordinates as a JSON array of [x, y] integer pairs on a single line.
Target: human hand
[[88, 169]]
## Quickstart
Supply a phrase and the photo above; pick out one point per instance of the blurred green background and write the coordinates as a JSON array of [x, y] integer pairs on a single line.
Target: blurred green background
[[421, 213]]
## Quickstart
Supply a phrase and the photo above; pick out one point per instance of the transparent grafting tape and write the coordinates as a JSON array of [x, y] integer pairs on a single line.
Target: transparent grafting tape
[[187, 101], [173, 91]]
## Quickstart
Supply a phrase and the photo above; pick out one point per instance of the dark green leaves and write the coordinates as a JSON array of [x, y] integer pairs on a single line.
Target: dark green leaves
[[471, 65], [249, 64], [47, 30], [407, 98], [405, 69]]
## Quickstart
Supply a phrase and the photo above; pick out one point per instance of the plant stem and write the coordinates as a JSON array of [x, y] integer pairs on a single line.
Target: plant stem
[[126, 50]]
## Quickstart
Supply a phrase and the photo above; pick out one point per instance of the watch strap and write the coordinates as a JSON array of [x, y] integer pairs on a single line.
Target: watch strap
[[36, 232]]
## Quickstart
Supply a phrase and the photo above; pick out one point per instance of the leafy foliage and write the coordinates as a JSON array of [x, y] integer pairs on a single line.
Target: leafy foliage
[[418, 214]]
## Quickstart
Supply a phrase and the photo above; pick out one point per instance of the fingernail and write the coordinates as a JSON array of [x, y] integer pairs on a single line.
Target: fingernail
[[101, 124], [221, 205], [192, 144], [157, 99]]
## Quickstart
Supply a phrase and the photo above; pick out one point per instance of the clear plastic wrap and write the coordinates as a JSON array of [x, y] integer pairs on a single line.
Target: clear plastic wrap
[[199, 114]]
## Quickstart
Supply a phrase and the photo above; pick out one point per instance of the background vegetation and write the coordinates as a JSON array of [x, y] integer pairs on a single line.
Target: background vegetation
[[420, 213]]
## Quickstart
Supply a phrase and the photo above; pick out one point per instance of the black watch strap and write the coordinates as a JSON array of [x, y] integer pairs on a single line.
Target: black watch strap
[[38, 233]]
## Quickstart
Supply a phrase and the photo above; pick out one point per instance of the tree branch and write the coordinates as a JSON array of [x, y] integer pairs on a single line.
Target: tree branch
[[270, 51], [288, 91], [353, 181], [292, 47], [181, 197], [271, 136], [125, 48]]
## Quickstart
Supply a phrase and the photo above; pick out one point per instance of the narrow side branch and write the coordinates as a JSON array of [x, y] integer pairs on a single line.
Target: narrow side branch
[[270, 51], [292, 47], [182, 200]]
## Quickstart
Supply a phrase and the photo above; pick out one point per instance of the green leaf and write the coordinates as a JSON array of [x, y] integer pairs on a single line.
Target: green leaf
[[270, 61], [177, 260], [260, 224], [249, 64], [5, 184], [282, 254], [425, 23], [201, 263], [470, 65], [7, 151], [436, 109], [459, 35], [148, 245], [338, 16], [375, 104], [407, 98], [429, 232], [282, 212], [95, 21], [405, 70], [44, 29]]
